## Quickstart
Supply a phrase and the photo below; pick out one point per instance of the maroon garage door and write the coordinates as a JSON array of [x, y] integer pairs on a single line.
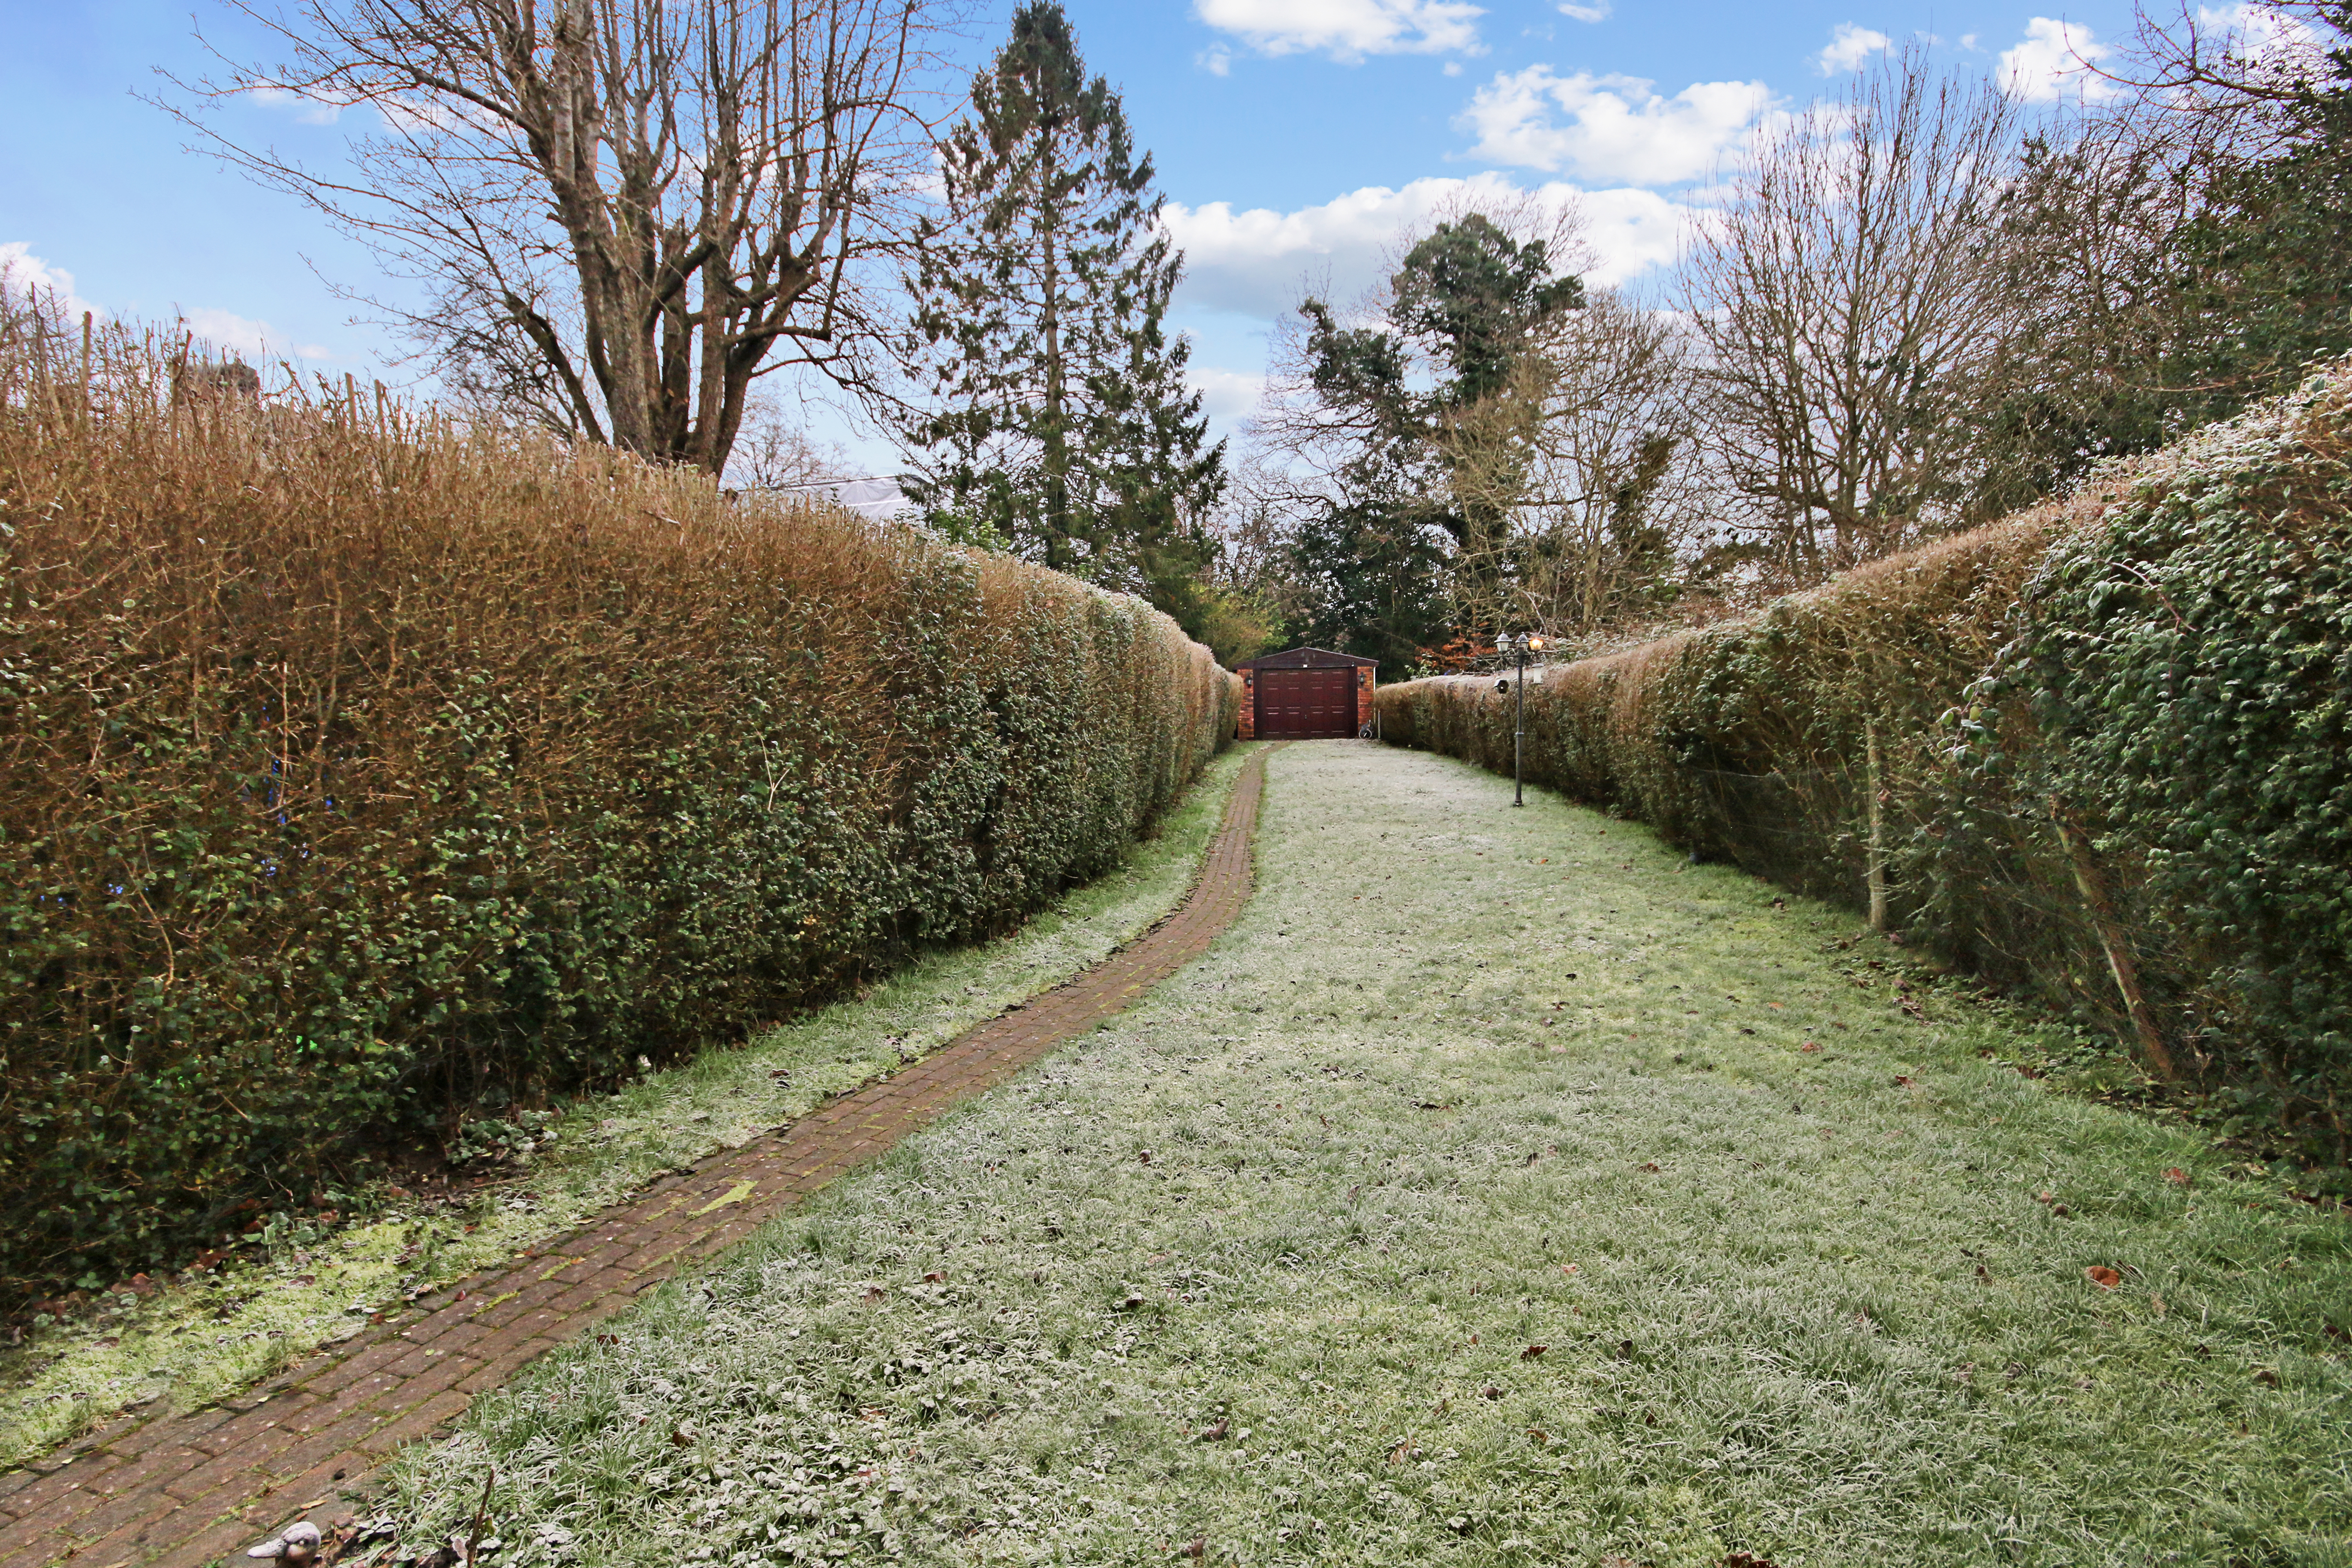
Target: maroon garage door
[[1306, 705]]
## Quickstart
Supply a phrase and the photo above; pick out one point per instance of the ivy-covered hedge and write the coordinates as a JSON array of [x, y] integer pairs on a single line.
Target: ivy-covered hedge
[[2108, 743], [354, 777]]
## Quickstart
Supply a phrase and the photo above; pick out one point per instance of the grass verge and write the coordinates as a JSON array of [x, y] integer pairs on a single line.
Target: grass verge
[[215, 1332], [1500, 1189]]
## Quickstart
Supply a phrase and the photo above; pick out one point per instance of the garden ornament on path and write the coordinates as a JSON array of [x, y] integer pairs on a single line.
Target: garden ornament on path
[[298, 1544]]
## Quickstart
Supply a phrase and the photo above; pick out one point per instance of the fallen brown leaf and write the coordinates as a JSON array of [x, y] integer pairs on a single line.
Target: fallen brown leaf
[[2102, 1276], [2176, 1175], [1533, 1351], [1810, 1045]]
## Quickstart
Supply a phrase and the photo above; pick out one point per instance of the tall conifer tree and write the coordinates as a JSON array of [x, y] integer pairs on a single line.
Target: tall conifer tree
[[1056, 417]]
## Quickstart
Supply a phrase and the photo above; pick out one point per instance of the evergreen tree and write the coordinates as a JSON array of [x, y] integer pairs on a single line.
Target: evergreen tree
[[1057, 421], [1468, 301]]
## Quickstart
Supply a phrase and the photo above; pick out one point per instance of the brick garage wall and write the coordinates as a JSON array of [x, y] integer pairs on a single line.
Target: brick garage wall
[[1367, 702]]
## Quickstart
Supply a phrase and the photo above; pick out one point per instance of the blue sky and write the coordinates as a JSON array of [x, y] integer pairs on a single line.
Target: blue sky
[[1294, 139]]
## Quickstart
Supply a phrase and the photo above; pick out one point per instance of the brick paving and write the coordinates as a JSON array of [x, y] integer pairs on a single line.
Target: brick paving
[[180, 1491]]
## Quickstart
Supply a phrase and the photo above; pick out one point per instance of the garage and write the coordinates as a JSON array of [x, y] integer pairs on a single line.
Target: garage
[[1307, 693]]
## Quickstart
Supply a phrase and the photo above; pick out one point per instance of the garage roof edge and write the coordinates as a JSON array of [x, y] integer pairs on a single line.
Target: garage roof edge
[[1305, 659]]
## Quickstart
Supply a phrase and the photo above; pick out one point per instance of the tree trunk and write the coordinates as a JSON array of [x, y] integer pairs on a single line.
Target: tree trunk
[[1875, 873], [2113, 942], [1058, 554]]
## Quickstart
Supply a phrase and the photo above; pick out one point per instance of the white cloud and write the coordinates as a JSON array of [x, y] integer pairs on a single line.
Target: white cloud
[[2259, 32], [1629, 231], [22, 272], [1575, 11], [1255, 262], [1347, 29], [1217, 60], [1226, 395], [308, 109], [1849, 49], [2051, 62], [1616, 127], [254, 340]]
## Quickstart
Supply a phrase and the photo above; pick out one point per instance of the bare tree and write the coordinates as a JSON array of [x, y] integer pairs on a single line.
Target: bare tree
[[775, 452], [2250, 64], [2099, 302], [622, 211], [1588, 451], [1843, 297]]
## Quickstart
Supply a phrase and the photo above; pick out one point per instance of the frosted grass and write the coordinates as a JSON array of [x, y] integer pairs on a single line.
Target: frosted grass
[[1477, 1199], [222, 1332]]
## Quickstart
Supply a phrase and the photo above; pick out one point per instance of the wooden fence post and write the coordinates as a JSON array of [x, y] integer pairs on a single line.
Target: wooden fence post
[[1874, 873]]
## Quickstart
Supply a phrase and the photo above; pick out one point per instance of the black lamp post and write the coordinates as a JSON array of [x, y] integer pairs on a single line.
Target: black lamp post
[[1519, 647]]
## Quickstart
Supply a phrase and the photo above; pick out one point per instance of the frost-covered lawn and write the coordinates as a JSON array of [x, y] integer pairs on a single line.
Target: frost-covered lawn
[[290, 1293], [1500, 1190]]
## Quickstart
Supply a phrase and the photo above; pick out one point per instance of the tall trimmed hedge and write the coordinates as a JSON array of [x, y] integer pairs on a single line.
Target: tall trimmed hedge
[[353, 774], [2113, 752]]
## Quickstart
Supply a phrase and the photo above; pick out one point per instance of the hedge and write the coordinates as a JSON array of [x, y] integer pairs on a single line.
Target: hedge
[[2108, 740], [358, 772]]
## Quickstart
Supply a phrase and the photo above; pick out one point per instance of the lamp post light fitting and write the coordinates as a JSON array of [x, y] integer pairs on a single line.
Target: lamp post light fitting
[[1520, 646]]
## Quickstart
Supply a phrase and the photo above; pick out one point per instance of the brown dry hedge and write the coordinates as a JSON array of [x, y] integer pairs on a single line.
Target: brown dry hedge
[[359, 771], [2102, 750]]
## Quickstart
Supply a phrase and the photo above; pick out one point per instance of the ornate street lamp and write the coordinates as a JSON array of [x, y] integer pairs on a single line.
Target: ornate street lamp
[[1520, 647]]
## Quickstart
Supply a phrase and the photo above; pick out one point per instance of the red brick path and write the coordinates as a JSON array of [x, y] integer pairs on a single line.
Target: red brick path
[[179, 1491]]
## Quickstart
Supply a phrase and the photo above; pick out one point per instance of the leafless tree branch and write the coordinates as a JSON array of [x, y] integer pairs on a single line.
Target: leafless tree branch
[[619, 209]]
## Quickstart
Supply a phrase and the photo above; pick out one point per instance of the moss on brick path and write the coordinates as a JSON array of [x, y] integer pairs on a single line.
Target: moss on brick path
[[1475, 1199]]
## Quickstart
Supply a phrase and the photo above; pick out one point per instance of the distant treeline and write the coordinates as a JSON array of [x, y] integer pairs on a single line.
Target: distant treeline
[[1930, 300]]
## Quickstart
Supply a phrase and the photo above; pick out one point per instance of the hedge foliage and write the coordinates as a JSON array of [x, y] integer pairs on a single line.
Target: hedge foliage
[[356, 773], [2113, 752]]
